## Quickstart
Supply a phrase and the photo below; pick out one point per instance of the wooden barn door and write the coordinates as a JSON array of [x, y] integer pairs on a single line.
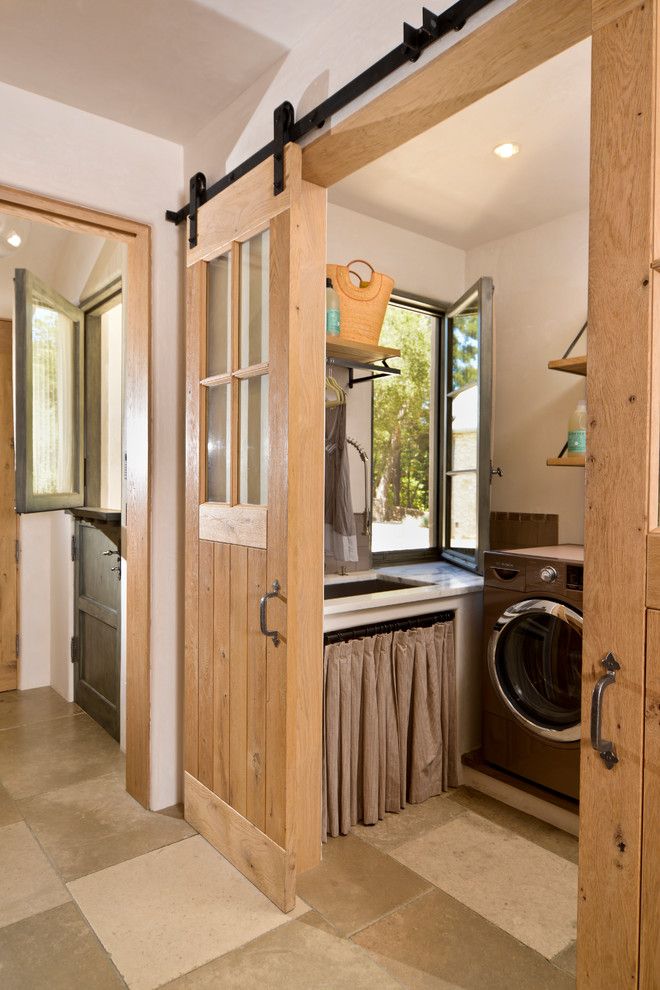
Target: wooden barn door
[[254, 526]]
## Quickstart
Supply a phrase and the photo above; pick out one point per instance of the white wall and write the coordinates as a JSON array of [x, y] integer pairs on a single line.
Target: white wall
[[62, 152], [338, 47], [540, 304], [418, 265]]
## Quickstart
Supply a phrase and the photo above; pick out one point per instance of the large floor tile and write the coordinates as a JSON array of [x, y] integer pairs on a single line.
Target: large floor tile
[[43, 756], [9, 810], [36, 705], [412, 822], [298, 957], [89, 826], [356, 883], [553, 839], [55, 950], [435, 943], [170, 911], [28, 883], [519, 886], [567, 960]]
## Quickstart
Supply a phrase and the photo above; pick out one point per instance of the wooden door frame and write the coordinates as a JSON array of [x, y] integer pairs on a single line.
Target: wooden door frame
[[7, 683], [622, 487], [137, 413]]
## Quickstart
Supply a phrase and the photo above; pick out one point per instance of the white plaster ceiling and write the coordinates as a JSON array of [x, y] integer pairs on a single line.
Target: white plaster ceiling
[[164, 66], [447, 184], [62, 259]]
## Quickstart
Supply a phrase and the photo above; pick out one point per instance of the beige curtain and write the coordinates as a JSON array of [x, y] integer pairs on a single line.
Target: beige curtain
[[390, 724]]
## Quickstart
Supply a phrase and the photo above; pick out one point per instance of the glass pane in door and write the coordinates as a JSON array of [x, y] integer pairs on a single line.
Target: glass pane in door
[[54, 402], [218, 316], [253, 441], [463, 414], [464, 346], [462, 493], [255, 270], [218, 431]]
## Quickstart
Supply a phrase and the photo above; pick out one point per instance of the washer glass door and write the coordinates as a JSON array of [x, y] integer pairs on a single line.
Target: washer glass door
[[535, 664]]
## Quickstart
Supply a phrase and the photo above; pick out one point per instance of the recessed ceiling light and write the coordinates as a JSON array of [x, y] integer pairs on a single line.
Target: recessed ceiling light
[[14, 239], [506, 150]]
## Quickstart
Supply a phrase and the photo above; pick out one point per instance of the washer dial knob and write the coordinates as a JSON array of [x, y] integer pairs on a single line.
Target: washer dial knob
[[549, 575]]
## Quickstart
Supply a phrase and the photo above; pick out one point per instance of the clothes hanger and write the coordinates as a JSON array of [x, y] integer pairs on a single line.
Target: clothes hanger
[[337, 397]]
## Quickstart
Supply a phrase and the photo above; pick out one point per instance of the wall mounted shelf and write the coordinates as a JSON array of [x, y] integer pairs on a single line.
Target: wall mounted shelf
[[572, 365], [568, 460], [357, 356]]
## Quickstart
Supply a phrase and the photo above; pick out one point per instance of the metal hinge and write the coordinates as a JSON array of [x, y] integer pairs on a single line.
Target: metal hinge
[[18, 646], [75, 649], [18, 550], [74, 548]]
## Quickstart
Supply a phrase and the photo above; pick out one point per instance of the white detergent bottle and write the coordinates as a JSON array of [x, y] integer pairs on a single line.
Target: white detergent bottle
[[577, 429]]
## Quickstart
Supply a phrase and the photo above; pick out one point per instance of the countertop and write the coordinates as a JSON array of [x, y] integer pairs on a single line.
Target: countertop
[[433, 580]]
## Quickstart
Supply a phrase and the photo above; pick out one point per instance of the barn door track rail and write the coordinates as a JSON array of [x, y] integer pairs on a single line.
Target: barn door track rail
[[286, 128]]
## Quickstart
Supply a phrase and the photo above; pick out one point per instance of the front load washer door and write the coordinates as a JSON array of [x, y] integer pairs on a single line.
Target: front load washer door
[[535, 665]]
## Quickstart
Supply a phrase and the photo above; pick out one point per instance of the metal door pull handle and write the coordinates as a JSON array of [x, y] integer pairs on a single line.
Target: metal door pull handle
[[604, 747], [263, 605]]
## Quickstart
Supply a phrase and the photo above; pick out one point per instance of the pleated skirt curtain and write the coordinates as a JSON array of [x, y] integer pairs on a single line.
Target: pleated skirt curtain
[[390, 724]]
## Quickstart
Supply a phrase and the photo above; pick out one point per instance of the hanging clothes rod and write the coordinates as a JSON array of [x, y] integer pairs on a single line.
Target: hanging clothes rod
[[382, 628], [287, 129], [380, 370]]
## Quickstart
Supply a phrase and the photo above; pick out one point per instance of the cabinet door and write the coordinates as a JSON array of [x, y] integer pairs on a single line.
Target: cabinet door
[[254, 526]]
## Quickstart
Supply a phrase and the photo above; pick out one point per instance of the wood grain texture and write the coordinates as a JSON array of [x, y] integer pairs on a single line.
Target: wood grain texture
[[572, 365], [650, 921], [195, 333], [267, 865], [243, 525], [221, 651], [618, 400], [205, 664], [305, 519], [242, 210], [137, 420], [66, 215], [515, 41], [238, 698], [8, 520], [256, 690], [653, 569], [604, 11]]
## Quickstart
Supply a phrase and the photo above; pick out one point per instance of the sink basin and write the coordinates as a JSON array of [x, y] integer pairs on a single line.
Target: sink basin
[[346, 589]]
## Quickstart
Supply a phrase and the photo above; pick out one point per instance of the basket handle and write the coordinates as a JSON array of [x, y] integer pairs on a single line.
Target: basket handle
[[361, 261]]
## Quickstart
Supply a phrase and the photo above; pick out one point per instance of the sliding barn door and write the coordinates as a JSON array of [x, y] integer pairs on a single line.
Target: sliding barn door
[[254, 526]]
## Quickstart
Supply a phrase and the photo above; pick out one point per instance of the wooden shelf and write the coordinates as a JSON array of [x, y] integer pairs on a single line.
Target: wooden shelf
[[568, 460], [572, 365], [355, 350]]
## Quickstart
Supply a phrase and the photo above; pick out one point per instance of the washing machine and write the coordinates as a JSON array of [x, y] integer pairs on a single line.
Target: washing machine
[[533, 665]]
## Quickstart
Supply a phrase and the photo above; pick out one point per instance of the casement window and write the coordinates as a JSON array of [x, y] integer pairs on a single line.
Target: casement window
[[431, 431]]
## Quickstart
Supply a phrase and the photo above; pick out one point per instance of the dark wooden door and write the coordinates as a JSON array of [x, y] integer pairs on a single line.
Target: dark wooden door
[[96, 644]]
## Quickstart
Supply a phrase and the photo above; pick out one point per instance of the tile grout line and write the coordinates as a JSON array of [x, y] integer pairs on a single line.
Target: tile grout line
[[41, 721]]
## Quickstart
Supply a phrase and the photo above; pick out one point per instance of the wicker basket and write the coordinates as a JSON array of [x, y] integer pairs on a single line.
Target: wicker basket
[[361, 307]]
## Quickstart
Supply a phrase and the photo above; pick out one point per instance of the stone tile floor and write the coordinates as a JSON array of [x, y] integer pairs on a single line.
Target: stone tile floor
[[96, 892]]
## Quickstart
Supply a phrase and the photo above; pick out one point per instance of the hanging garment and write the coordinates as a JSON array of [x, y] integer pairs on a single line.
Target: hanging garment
[[340, 533]]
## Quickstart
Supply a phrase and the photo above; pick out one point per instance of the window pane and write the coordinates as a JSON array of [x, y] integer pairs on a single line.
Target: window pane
[[218, 315], [462, 514], [463, 425], [254, 300], [217, 444], [403, 418], [253, 428], [54, 399], [464, 347]]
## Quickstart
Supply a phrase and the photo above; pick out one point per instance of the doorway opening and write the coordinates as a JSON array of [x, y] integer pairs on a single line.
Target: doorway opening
[[73, 291]]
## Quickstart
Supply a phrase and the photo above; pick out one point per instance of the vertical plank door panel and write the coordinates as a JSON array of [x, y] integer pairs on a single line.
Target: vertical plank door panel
[[221, 650], [650, 923], [256, 686], [206, 664], [617, 492], [238, 681]]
